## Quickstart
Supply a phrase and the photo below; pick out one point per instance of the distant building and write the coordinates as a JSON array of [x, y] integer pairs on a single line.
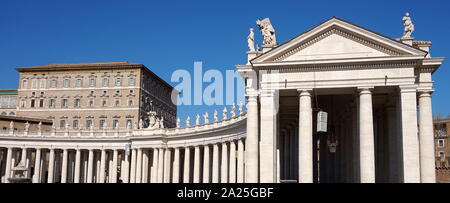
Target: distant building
[[442, 148], [19, 124], [8, 102], [94, 95]]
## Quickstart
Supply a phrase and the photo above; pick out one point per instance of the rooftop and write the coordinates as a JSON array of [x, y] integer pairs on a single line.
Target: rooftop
[[71, 66], [25, 119]]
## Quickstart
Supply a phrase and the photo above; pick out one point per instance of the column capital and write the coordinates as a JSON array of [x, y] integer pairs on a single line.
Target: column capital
[[268, 93], [304, 92], [365, 90], [407, 88], [425, 92]]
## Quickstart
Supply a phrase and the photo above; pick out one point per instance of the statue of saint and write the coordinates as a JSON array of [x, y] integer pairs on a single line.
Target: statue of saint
[[251, 40], [188, 121], [40, 126], [233, 111], [178, 122], [216, 116], [267, 31], [11, 125], [206, 117], [409, 26], [224, 113], [27, 126], [241, 110], [141, 123], [161, 122], [197, 120]]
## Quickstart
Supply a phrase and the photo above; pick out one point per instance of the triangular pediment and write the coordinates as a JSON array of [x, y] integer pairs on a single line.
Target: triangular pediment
[[337, 39]]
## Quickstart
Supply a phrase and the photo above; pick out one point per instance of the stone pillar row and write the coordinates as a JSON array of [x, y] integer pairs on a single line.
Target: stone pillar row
[[216, 163]]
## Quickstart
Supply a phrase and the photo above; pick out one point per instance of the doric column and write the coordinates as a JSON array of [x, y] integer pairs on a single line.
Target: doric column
[[90, 170], [167, 161], [37, 165], [23, 156], [102, 165], [154, 169], [196, 178], [206, 158], [176, 166], [252, 141], [114, 166], [161, 165], [224, 164], [366, 137], [393, 149], [215, 170], [269, 133], [8, 164], [51, 166], [426, 138], [126, 168], [305, 136], [77, 166], [133, 166], [145, 158], [139, 166], [411, 165], [232, 178], [240, 162], [64, 167], [187, 161]]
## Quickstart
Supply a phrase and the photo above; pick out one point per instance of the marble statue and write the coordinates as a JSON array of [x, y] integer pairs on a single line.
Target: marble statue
[[206, 117], [11, 125], [157, 123], [40, 126], [152, 120], [128, 125], [141, 123], [216, 116], [178, 122], [409, 26], [251, 40], [241, 106], [27, 126], [233, 111], [224, 113], [188, 121], [267, 31], [197, 120], [161, 122]]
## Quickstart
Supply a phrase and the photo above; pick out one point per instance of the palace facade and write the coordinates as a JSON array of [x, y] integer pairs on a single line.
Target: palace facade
[[338, 103]]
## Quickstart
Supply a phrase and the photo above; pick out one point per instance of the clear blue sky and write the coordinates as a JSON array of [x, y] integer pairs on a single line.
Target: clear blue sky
[[169, 35]]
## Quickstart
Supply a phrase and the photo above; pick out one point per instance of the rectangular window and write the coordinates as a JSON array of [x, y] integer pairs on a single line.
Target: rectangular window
[[105, 82], [42, 83], [33, 84], [130, 103], [22, 103], [118, 82], [104, 104], [41, 103], [24, 84], [75, 124], [131, 81], [441, 143], [92, 82], [62, 124], [77, 103], [64, 103], [32, 103], [117, 104], [115, 124], [89, 124], [66, 83], [102, 124], [129, 124], [91, 103], [79, 83], [53, 83], [52, 103]]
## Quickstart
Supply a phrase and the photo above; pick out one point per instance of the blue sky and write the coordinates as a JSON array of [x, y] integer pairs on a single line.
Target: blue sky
[[170, 35]]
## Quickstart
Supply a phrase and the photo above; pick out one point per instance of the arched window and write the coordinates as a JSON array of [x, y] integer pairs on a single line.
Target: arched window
[[4, 114], [12, 114]]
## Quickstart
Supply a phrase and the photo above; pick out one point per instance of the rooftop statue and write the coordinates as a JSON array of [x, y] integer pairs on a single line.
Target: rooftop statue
[[409, 26], [267, 31], [251, 40], [233, 111], [206, 117], [178, 122], [224, 113], [241, 109], [197, 120], [188, 121], [216, 116]]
